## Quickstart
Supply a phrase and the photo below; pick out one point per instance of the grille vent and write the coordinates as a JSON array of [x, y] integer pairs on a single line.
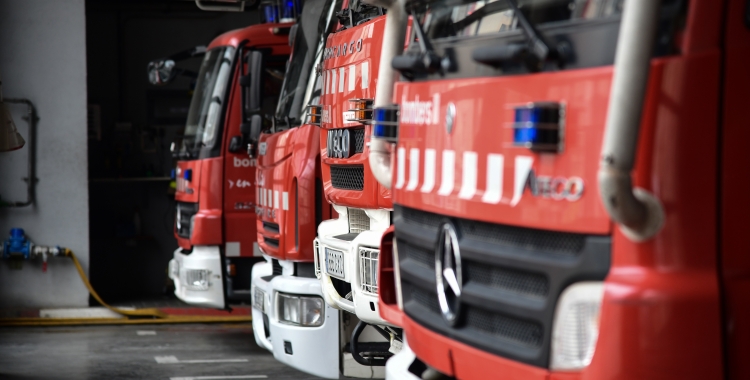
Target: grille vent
[[276, 267], [359, 140], [368, 269], [358, 220], [349, 177]]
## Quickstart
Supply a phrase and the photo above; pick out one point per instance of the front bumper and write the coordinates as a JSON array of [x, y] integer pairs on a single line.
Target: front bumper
[[397, 367], [205, 258], [363, 304], [314, 350]]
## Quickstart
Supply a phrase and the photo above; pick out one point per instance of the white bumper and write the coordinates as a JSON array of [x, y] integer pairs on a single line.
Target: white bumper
[[397, 367], [205, 258], [364, 304], [314, 350]]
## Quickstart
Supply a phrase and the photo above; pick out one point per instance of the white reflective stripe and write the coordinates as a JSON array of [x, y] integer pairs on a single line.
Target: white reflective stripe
[[523, 167], [323, 88], [429, 171], [257, 197], [262, 197], [365, 74], [341, 79], [333, 81], [494, 191], [352, 77], [285, 201], [400, 158], [446, 182], [413, 169], [469, 176], [276, 199]]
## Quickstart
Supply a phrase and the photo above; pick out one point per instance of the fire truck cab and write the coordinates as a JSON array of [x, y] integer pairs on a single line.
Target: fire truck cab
[[564, 192], [215, 217]]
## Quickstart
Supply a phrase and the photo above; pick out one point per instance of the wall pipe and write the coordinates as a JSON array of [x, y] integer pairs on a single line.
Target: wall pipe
[[30, 179], [639, 213], [393, 45]]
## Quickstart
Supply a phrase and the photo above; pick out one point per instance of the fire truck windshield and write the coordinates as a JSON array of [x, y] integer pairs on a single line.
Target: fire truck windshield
[[457, 18], [205, 107], [308, 47]]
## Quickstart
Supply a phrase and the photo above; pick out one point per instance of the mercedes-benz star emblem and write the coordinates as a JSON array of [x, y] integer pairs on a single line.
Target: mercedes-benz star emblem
[[450, 117], [448, 274]]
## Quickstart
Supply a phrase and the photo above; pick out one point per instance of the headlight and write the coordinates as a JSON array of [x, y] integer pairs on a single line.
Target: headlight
[[368, 269], [259, 299], [301, 311], [197, 279], [575, 328]]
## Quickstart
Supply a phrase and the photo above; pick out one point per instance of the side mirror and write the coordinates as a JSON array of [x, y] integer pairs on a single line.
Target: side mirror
[[251, 132], [161, 71], [235, 144], [253, 81], [293, 33]]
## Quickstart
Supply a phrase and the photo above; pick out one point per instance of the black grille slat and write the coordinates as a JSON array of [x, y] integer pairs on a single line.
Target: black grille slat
[[276, 267], [419, 255], [512, 329], [359, 140], [512, 277], [272, 242], [348, 177], [526, 238], [515, 281], [271, 227]]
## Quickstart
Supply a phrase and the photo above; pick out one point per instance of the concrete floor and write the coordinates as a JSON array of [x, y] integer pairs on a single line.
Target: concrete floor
[[176, 352]]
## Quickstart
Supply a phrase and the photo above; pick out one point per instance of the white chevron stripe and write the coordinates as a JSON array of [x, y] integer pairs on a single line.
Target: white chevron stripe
[[342, 70], [285, 201], [494, 191], [413, 169], [446, 182], [365, 74], [276, 199], [400, 158], [469, 176], [523, 167], [333, 81], [429, 171], [352, 77]]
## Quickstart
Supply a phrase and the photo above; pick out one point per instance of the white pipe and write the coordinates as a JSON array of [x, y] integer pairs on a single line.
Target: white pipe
[[393, 45], [638, 213]]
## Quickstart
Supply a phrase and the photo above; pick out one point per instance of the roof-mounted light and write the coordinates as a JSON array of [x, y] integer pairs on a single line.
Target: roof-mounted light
[[539, 126], [385, 123]]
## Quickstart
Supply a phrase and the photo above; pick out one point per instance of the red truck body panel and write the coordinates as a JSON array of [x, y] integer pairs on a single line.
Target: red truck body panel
[[224, 186], [287, 174], [350, 68], [661, 316]]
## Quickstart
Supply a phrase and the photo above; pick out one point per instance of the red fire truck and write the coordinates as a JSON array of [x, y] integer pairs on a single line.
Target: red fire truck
[[215, 219], [567, 200], [347, 247], [290, 318]]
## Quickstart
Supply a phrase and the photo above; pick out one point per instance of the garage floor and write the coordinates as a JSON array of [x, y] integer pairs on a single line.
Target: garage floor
[[176, 352]]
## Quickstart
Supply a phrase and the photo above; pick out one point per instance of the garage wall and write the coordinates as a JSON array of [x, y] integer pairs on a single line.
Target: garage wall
[[43, 58]]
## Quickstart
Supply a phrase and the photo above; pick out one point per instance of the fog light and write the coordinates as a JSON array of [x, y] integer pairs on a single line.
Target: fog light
[[197, 279], [300, 311], [174, 269], [259, 299], [575, 328]]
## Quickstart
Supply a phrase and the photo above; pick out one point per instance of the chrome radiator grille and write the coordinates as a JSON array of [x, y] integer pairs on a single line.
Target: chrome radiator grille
[[358, 220], [368, 269]]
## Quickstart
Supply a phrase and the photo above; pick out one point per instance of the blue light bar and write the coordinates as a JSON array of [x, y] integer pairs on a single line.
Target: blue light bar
[[188, 175], [270, 13], [385, 123], [537, 126]]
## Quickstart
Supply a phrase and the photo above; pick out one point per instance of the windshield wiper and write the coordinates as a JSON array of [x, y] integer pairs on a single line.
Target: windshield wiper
[[534, 53]]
